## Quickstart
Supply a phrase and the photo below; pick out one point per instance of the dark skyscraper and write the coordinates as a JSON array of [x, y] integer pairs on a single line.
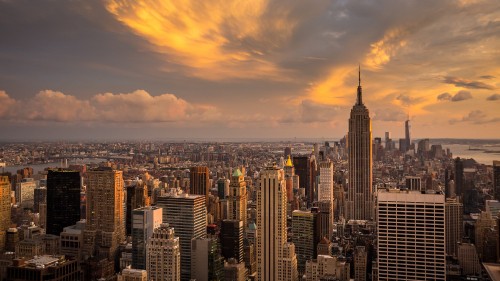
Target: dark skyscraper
[[359, 144], [63, 200], [496, 179], [459, 176], [305, 168], [407, 134], [199, 181], [231, 239]]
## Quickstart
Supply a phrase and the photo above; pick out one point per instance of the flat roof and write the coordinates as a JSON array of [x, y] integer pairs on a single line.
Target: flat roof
[[493, 270]]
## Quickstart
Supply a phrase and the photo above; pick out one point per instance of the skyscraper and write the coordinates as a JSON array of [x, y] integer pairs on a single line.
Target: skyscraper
[[454, 225], [231, 240], [304, 237], [199, 181], [137, 197], [411, 235], [496, 179], [407, 134], [459, 177], [163, 260], [206, 262], [144, 221], [63, 200], [105, 227], [359, 143], [4, 210], [271, 235], [237, 198], [187, 214], [325, 190]]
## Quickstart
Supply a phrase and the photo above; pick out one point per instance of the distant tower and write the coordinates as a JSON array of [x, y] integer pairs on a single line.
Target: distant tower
[[199, 180], [407, 133], [274, 257], [360, 197], [63, 200], [105, 227], [4, 210], [459, 177], [231, 240], [237, 198], [164, 255]]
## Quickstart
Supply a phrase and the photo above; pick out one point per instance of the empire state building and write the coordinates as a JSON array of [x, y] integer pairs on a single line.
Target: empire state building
[[359, 144]]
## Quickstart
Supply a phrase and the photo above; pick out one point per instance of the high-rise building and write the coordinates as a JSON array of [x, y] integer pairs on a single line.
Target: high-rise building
[[326, 267], [325, 190], [237, 198], [302, 169], [163, 262], [187, 214], [359, 143], [105, 227], [360, 261], [468, 260], [271, 234], [411, 235], [289, 178], [199, 181], [137, 197], [25, 193], [63, 200], [454, 225], [4, 210], [496, 179], [144, 221], [206, 262], [459, 177], [304, 237], [40, 197], [484, 223], [231, 240], [407, 134]]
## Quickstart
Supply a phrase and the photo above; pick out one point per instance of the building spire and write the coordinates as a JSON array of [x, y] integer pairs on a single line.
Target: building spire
[[360, 98]]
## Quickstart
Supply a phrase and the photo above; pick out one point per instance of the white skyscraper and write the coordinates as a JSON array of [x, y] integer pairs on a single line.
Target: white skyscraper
[[325, 192], [411, 235], [144, 222], [163, 261], [276, 260]]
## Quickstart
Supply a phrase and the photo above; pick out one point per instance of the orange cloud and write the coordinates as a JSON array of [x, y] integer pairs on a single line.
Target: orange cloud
[[213, 39], [383, 50]]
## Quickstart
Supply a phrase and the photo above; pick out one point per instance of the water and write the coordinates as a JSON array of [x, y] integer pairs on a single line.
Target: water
[[462, 151], [40, 167]]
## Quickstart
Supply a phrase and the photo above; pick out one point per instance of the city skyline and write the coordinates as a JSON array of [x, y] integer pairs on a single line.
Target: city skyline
[[101, 70]]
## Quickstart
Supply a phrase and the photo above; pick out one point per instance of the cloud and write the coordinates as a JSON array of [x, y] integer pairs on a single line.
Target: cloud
[[464, 83], [493, 97], [459, 96], [462, 95], [475, 117], [407, 100], [444, 96], [390, 114], [383, 50], [309, 111], [487, 76], [136, 107]]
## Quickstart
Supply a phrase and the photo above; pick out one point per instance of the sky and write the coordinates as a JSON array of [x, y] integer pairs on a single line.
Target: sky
[[132, 69]]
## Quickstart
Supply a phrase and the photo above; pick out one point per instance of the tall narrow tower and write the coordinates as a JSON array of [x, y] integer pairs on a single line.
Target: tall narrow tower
[[237, 198], [407, 133], [4, 209], [105, 228], [276, 259], [359, 142]]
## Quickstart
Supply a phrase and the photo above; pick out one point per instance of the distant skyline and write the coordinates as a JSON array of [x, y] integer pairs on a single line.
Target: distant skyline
[[92, 69]]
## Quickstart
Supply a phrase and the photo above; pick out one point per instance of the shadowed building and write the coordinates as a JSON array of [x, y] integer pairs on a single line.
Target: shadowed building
[[199, 181], [63, 200]]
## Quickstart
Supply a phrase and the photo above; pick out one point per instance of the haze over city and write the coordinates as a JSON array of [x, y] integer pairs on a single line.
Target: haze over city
[[258, 69]]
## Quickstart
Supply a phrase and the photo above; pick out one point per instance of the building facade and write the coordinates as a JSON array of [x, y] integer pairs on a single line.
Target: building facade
[[411, 235], [144, 221], [163, 255], [359, 144]]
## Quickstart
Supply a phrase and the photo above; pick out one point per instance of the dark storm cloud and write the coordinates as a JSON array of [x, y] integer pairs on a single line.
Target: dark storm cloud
[[464, 83]]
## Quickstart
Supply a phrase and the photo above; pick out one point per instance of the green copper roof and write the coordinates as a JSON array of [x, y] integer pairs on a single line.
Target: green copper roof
[[237, 173]]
